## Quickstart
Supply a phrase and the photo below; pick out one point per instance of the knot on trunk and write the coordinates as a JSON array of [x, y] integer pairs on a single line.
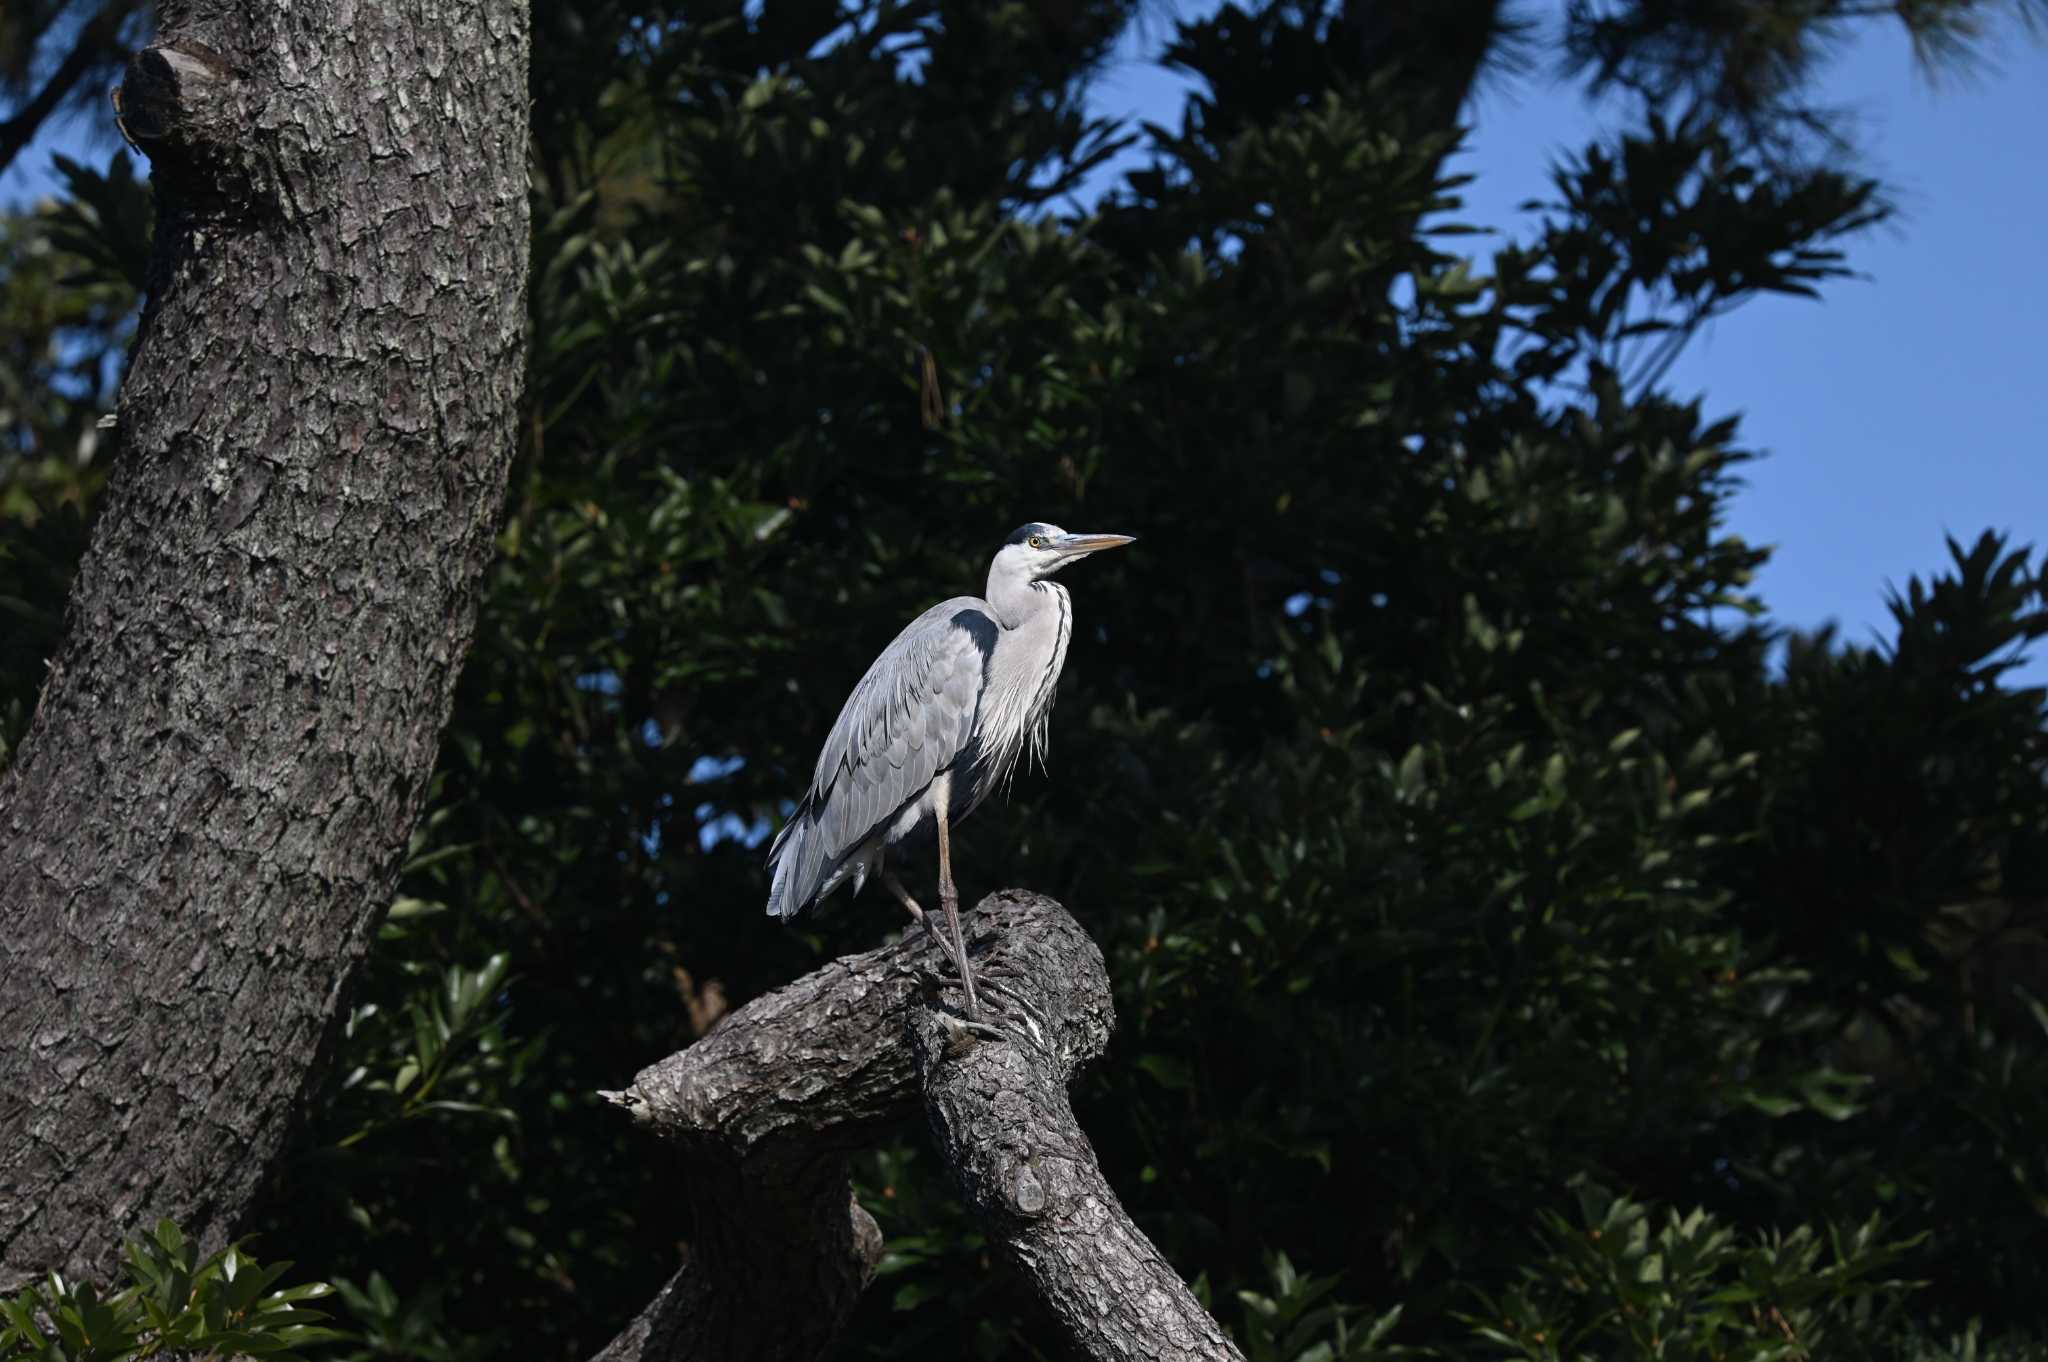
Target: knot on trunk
[[185, 106]]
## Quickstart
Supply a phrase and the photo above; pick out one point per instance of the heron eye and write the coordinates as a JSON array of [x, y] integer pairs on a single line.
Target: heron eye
[[1036, 541]]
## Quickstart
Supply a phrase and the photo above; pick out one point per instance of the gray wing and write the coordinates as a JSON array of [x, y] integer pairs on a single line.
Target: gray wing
[[910, 718]]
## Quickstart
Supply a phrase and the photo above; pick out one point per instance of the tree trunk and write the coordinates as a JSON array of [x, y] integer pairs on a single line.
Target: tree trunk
[[206, 817], [764, 1110]]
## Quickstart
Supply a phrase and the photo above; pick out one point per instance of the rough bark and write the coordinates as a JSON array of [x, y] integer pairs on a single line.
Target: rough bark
[[765, 1109], [763, 1113], [204, 821]]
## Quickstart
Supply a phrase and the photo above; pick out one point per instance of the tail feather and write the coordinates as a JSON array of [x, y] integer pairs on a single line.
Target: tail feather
[[798, 864]]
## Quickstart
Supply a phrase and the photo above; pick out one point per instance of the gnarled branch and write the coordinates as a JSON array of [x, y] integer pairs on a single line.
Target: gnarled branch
[[766, 1109]]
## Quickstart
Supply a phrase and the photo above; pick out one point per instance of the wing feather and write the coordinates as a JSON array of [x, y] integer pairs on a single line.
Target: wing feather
[[908, 719], [905, 722]]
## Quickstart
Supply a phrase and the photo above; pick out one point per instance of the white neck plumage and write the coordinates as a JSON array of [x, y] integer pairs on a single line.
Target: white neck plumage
[[1038, 617]]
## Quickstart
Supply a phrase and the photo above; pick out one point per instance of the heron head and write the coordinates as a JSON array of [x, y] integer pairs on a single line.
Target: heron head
[[1039, 550]]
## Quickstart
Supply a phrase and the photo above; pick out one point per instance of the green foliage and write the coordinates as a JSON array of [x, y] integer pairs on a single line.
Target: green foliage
[[1298, 1322], [70, 274], [1622, 1282], [1456, 840], [37, 560], [1753, 68], [1670, 229], [176, 1304], [391, 1326]]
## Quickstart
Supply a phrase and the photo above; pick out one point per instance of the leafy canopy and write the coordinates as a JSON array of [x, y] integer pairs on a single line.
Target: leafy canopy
[[1499, 930]]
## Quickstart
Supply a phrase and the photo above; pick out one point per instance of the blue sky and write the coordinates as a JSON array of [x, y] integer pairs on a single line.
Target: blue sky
[[1903, 406], [1906, 405]]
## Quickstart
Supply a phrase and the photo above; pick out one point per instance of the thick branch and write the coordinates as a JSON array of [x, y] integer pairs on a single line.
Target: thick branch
[[1005, 1128], [765, 1109]]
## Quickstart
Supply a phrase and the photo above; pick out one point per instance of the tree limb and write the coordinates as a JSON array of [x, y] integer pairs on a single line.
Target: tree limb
[[765, 1110]]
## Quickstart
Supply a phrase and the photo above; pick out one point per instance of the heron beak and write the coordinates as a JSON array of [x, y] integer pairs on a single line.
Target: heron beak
[[1075, 545]]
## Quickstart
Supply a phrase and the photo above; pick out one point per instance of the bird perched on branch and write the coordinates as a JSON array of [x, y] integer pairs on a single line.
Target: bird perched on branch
[[942, 717]]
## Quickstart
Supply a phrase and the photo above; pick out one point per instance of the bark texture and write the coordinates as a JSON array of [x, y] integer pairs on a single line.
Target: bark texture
[[765, 1109], [204, 821]]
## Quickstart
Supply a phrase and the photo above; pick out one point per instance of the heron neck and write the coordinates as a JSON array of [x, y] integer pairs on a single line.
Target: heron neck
[[1018, 600]]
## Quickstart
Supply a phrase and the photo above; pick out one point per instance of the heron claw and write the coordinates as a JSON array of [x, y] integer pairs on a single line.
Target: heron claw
[[961, 1032], [988, 985]]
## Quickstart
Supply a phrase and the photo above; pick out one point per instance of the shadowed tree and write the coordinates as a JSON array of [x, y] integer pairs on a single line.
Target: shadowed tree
[[1474, 899], [202, 825]]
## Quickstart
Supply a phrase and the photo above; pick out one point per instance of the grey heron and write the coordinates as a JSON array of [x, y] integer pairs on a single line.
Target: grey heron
[[942, 717]]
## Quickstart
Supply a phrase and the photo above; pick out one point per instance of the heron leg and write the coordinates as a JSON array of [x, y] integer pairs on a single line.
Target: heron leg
[[895, 886], [949, 899]]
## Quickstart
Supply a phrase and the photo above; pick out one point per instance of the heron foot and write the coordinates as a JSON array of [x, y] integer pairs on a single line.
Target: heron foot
[[962, 1034], [955, 949], [1031, 1013], [959, 1026]]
